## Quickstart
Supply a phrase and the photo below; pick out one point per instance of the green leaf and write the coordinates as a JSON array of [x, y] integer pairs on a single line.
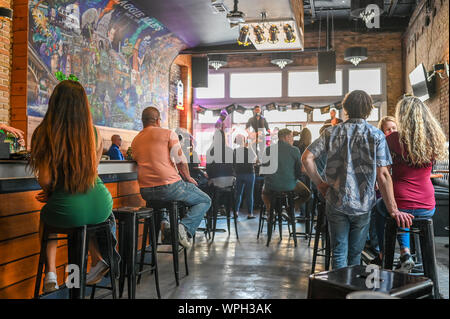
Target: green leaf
[[60, 76], [72, 77]]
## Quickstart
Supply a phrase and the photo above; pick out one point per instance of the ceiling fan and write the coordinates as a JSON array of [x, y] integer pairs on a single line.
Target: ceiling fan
[[235, 17]]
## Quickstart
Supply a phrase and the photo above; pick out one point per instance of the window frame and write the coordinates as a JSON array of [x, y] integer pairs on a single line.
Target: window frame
[[315, 101]]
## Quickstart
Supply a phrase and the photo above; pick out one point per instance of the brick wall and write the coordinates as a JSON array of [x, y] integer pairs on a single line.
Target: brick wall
[[5, 65], [428, 44], [382, 48]]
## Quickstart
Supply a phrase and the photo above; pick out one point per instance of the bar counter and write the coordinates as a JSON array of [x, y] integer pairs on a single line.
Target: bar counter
[[19, 221]]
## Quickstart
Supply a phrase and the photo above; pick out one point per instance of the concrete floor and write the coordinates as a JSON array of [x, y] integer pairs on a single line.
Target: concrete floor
[[246, 268]]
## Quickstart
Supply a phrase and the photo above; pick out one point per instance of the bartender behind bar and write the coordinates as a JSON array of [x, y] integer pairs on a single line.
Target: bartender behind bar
[[14, 131], [114, 152]]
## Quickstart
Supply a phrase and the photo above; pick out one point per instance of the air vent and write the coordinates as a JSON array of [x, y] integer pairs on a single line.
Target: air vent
[[218, 7]]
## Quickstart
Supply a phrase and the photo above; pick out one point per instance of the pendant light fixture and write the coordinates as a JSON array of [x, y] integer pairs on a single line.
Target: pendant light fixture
[[281, 59], [217, 60], [355, 55]]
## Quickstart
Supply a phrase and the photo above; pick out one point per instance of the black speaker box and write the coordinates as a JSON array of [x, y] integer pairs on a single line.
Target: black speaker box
[[200, 72], [327, 67]]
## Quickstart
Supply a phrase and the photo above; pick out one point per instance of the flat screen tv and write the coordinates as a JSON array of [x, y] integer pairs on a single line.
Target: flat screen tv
[[420, 85]]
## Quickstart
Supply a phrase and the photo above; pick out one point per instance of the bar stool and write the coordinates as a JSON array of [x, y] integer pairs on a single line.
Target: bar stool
[[219, 193], [173, 209], [78, 243], [262, 219], [278, 200], [338, 283], [321, 234], [206, 230], [315, 202], [424, 228], [308, 209], [129, 219]]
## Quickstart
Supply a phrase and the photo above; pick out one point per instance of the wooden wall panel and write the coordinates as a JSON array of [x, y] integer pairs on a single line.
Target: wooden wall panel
[[25, 289], [19, 237], [18, 203], [128, 188], [26, 268], [19, 225]]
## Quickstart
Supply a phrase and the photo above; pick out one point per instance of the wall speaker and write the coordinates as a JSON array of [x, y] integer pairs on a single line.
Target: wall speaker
[[327, 67], [200, 72]]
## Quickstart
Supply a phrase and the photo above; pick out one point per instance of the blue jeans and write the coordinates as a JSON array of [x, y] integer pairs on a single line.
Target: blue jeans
[[348, 235], [245, 185], [403, 238], [187, 193]]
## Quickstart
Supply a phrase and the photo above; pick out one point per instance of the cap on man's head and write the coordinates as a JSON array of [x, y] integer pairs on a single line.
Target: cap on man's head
[[224, 112]]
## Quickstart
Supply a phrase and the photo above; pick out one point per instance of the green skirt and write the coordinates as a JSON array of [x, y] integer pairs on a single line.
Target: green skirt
[[67, 210]]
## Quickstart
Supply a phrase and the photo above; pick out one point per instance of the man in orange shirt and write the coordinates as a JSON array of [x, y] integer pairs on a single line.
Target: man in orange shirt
[[160, 161]]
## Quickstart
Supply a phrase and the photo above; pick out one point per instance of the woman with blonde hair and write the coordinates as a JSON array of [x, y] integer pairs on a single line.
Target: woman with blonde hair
[[418, 143], [387, 125], [65, 153]]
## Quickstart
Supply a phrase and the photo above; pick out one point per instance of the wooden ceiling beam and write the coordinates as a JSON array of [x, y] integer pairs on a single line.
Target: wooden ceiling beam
[[299, 16]]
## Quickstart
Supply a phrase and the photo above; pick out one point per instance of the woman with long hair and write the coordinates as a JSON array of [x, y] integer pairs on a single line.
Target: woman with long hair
[[65, 153], [387, 125], [305, 139], [418, 142]]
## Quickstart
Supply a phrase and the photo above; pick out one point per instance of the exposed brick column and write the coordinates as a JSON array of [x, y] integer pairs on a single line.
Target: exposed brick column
[[5, 65], [19, 66], [426, 41]]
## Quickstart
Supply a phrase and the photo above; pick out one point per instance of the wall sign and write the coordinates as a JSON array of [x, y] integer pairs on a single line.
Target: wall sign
[[180, 95]]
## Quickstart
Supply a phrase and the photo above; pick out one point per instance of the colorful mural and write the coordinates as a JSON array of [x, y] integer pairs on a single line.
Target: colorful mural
[[120, 55]]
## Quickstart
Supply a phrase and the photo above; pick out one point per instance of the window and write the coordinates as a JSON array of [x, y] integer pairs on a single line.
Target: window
[[239, 118], [215, 89], [306, 83], [319, 117], [374, 115], [207, 118], [248, 85], [287, 116], [368, 80]]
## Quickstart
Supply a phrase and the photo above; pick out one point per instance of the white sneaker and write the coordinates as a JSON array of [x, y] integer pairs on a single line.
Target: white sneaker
[[183, 236], [96, 273], [50, 282]]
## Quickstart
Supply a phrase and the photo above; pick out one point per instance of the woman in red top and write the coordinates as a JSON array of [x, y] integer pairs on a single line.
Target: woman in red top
[[418, 142]]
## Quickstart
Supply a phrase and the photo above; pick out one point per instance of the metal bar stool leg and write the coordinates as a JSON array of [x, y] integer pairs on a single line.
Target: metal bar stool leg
[[153, 244], [429, 254], [132, 259], [145, 235], [390, 235], [292, 219], [124, 254], [261, 221], [112, 267], [279, 209], [42, 256], [174, 237], [214, 220], [270, 221]]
